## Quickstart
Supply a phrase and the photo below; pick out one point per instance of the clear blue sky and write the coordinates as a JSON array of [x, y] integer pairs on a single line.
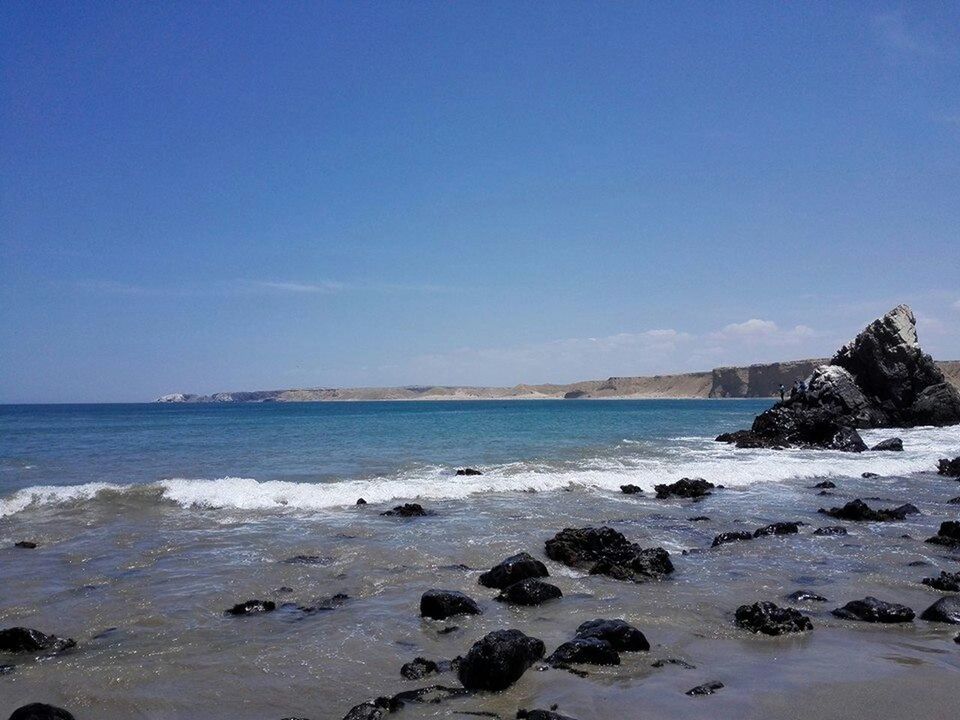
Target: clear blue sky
[[215, 196]]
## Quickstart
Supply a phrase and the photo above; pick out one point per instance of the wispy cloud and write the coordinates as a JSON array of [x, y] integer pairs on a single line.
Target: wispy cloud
[[325, 287]]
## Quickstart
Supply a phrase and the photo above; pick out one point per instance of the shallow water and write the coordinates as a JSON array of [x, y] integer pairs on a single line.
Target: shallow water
[[139, 575]]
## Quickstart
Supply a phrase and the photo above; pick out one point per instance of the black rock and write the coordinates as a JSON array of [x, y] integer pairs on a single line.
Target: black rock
[[876, 611], [954, 501], [957, 639], [586, 651], [370, 710], [252, 607], [699, 518], [441, 604], [895, 444], [529, 592], [407, 510], [868, 475], [631, 489], [685, 488], [673, 661], [512, 570], [949, 582], [540, 715], [622, 636], [361, 501], [858, 510], [468, 471], [308, 560], [28, 640], [831, 530], [6, 669], [419, 668], [497, 660], [770, 619], [805, 596], [944, 610], [428, 695], [825, 485], [604, 551], [39, 711], [729, 537], [950, 468], [25, 545], [948, 535], [780, 528], [706, 689]]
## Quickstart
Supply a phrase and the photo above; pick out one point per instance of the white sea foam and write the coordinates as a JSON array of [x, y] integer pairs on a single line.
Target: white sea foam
[[685, 457]]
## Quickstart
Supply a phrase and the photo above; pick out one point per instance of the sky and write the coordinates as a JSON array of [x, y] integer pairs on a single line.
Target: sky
[[201, 197]]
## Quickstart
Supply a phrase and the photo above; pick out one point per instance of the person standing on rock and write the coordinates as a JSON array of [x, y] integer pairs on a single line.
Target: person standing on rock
[[781, 392]]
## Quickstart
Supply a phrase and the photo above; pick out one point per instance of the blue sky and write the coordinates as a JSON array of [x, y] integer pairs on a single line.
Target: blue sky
[[211, 196]]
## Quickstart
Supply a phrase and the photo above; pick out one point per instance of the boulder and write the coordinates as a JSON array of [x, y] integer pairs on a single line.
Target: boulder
[[497, 660], [944, 610], [370, 710], [729, 537], [948, 582], [604, 551], [252, 607], [40, 711], [950, 468], [28, 640], [954, 501], [948, 535], [831, 530], [706, 689], [512, 570], [622, 636], [685, 488], [442, 604], [857, 510], [631, 489], [936, 405], [875, 611], [894, 444], [529, 592], [585, 651], [361, 501], [407, 510], [770, 619], [779, 528], [805, 596]]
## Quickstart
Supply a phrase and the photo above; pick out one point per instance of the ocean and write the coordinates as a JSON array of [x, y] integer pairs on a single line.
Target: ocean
[[152, 519]]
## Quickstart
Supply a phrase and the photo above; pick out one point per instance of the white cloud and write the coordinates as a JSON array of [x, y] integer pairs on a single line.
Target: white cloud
[[325, 287], [756, 331]]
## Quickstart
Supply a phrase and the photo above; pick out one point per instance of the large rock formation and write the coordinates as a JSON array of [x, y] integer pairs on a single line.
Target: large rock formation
[[880, 379]]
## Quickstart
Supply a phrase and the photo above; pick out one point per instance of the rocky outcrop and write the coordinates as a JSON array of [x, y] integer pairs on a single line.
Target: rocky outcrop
[[604, 551], [858, 511], [948, 535], [769, 619], [948, 467], [694, 488], [948, 582]]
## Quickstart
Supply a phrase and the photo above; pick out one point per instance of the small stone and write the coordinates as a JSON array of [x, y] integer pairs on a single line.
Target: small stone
[[361, 501], [252, 607], [868, 475], [894, 444], [407, 510], [706, 689], [584, 650], [529, 592], [770, 619], [622, 636], [805, 596]]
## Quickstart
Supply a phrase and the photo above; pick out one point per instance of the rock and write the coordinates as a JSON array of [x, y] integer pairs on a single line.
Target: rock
[[497, 660], [442, 604], [950, 468], [252, 607], [954, 501], [743, 439], [948, 535], [512, 570], [706, 689], [699, 518], [685, 488], [895, 444], [40, 711], [621, 636], [308, 560], [631, 489], [876, 611], [858, 510], [418, 668], [770, 619], [868, 475], [25, 545], [729, 537], [797, 426], [805, 596], [6, 669], [673, 661], [949, 582], [407, 510], [585, 651], [780, 528], [529, 592], [831, 530], [468, 471], [361, 501], [957, 639], [28, 640], [936, 405], [370, 710], [604, 551], [944, 610], [825, 485], [540, 715], [428, 695]]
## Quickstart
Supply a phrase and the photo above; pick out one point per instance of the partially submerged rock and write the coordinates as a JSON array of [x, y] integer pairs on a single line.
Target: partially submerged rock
[[407, 510], [631, 489], [857, 510], [512, 570], [40, 711], [252, 607], [540, 715], [944, 610], [778, 528], [529, 592], [442, 604], [685, 488], [369, 710], [948, 582], [830, 530], [805, 596], [28, 640], [468, 471], [770, 619], [948, 535], [729, 537], [894, 444], [585, 651], [950, 468], [604, 551], [25, 545], [876, 611], [497, 660], [622, 636], [825, 485], [432, 694], [706, 689]]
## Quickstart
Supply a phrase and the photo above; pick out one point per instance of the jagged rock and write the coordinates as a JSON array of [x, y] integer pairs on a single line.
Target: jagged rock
[[441, 604], [40, 711], [407, 510], [706, 689], [936, 405], [805, 596], [831, 530], [631, 489], [948, 535], [252, 607], [857, 510], [604, 551], [729, 537], [418, 668], [685, 488], [825, 485], [428, 695], [28, 640], [779, 528], [770, 619], [512, 570], [949, 582], [25, 545], [743, 439], [895, 444], [944, 610], [622, 636], [876, 611], [468, 471], [497, 660], [540, 715], [529, 592], [586, 651], [950, 468]]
